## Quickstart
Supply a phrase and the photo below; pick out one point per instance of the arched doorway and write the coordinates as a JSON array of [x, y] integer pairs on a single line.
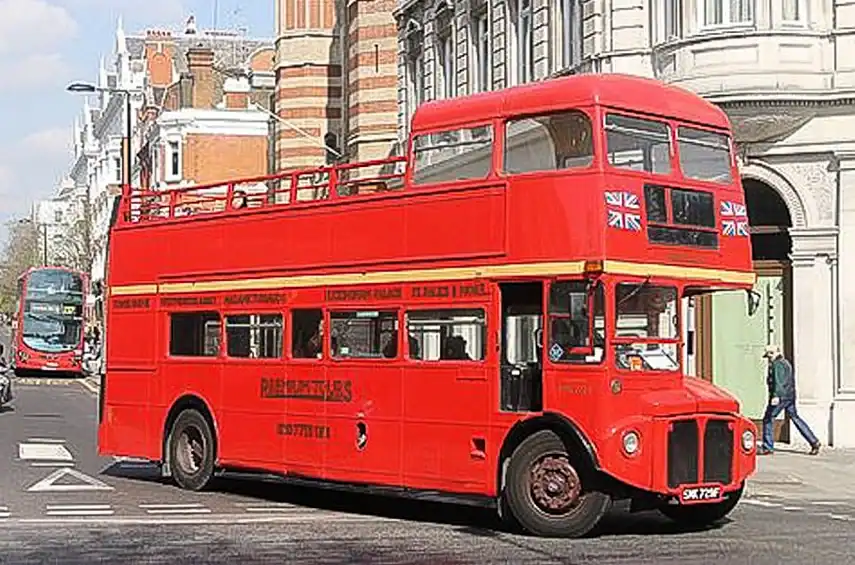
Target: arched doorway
[[733, 328]]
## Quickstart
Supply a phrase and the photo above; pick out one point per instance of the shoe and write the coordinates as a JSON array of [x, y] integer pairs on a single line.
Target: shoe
[[814, 450], [765, 451]]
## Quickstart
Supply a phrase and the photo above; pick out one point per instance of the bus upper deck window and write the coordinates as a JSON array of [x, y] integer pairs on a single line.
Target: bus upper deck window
[[704, 155], [638, 144], [548, 142]]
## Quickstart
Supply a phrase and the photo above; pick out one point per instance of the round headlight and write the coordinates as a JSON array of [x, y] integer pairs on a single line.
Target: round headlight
[[748, 440], [631, 442]]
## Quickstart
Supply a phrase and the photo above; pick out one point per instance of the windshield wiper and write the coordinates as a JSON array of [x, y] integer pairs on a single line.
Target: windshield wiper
[[638, 289]]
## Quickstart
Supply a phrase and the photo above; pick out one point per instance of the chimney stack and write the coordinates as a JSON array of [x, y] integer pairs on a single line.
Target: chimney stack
[[200, 60]]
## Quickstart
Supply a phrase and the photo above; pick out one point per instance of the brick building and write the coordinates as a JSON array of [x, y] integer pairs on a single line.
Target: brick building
[[336, 81]]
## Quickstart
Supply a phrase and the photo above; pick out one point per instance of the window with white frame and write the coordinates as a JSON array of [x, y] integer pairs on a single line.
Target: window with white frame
[[117, 169], [173, 159], [520, 62], [793, 11], [444, 42], [671, 19], [415, 67], [727, 12], [480, 55], [568, 33]]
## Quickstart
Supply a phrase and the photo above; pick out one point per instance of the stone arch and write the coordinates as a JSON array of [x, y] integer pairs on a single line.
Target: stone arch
[[762, 172]]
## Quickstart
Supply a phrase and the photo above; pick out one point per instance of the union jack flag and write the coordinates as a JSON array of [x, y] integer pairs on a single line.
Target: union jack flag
[[733, 209], [622, 218], [733, 229]]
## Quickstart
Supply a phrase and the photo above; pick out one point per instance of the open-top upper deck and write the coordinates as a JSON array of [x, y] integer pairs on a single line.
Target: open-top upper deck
[[377, 221]]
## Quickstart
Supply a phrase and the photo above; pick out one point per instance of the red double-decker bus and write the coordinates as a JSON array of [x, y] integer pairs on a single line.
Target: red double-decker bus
[[494, 319], [48, 332]]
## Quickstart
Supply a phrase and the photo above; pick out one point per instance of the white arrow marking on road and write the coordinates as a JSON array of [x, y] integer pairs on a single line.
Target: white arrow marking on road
[[43, 452], [47, 484]]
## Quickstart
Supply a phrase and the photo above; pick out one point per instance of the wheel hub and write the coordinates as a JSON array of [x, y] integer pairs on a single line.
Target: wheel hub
[[190, 450], [555, 484]]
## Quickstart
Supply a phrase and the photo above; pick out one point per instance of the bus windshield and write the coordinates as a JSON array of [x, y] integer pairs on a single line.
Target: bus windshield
[[53, 285], [52, 327], [646, 327]]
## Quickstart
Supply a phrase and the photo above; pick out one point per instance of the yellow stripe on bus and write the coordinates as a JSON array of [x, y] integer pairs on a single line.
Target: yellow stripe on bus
[[442, 274]]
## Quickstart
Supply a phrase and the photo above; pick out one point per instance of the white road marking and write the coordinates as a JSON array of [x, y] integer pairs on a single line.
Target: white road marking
[[79, 510], [175, 509], [4, 512], [842, 517], [51, 464], [270, 509], [47, 484], [88, 386], [44, 440], [43, 452], [208, 519], [793, 508], [755, 502], [824, 503]]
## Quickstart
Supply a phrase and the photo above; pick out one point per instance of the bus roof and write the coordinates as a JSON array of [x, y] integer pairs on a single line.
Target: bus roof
[[641, 94]]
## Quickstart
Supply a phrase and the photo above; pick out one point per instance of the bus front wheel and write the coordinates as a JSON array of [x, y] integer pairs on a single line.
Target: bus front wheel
[[546, 491], [191, 451]]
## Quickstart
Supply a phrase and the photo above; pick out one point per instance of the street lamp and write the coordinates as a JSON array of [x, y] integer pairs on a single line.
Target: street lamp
[[89, 88]]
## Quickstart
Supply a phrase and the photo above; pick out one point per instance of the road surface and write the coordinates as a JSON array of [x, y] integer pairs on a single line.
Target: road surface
[[61, 503]]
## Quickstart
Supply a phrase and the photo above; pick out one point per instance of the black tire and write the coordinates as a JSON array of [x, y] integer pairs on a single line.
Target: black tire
[[191, 470], [702, 515], [524, 497]]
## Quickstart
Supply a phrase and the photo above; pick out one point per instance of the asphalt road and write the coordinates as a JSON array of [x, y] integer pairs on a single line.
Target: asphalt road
[[86, 509]]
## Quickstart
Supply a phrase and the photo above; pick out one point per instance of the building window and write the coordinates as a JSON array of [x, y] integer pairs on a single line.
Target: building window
[[793, 11], [671, 19], [445, 52], [364, 335], [173, 160], [480, 34], [568, 34], [415, 67], [520, 62], [117, 169], [254, 336], [194, 334], [727, 12], [57, 216]]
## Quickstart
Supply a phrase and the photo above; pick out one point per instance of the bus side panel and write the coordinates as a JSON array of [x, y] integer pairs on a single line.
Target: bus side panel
[[375, 402], [446, 419], [129, 419], [304, 407], [249, 427]]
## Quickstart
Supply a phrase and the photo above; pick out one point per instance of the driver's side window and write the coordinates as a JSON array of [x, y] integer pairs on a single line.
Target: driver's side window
[[569, 338]]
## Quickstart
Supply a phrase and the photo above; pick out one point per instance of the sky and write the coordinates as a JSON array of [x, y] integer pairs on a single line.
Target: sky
[[44, 45]]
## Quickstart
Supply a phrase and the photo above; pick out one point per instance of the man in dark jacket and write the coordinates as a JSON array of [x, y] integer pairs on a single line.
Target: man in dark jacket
[[782, 397]]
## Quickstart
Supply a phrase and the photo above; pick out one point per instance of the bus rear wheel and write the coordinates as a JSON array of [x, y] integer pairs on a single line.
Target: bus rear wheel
[[546, 491], [191, 451]]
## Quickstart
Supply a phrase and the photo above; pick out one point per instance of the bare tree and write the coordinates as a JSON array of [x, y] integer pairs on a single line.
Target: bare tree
[[74, 249], [23, 250]]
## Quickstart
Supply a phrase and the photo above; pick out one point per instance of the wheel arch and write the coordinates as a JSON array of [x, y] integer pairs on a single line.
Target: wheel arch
[[566, 429], [186, 402]]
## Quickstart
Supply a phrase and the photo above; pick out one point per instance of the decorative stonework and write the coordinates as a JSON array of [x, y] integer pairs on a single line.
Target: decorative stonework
[[767, 124], [765, 173], [817, 181]]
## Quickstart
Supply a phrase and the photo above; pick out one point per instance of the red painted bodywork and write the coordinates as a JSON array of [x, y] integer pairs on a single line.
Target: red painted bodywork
[[427, 422], [30, 359]]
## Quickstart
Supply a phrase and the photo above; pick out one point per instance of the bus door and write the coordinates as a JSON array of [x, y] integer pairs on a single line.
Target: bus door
[[521, 360], [447, 385]]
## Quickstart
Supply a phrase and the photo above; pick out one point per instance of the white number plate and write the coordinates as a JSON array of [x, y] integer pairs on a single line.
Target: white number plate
[[694, 495]]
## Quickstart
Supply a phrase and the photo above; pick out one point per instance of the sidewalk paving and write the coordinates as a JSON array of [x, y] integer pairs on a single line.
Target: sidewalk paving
[[791, 473]]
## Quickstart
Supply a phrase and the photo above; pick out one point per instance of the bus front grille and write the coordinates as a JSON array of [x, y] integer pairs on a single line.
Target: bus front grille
[[683, 453], [718, 452]]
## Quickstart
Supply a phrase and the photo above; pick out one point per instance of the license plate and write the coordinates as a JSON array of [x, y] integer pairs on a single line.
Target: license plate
[[701, 494]]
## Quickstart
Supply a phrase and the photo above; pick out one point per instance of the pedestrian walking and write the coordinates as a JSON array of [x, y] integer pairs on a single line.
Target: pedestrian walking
[[782, 398]]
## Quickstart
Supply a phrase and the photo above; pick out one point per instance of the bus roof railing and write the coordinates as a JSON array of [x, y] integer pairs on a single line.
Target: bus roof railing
[[325, 183]]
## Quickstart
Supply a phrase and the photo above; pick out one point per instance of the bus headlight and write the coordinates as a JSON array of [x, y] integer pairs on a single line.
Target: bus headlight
[[631, 443], [748, 440]]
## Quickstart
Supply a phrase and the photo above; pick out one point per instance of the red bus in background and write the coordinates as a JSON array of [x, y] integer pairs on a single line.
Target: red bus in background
[[48, 332], [498, 323]]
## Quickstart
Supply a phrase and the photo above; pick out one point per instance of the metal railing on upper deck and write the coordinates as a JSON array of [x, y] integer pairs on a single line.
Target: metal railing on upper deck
[[305, 186]]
